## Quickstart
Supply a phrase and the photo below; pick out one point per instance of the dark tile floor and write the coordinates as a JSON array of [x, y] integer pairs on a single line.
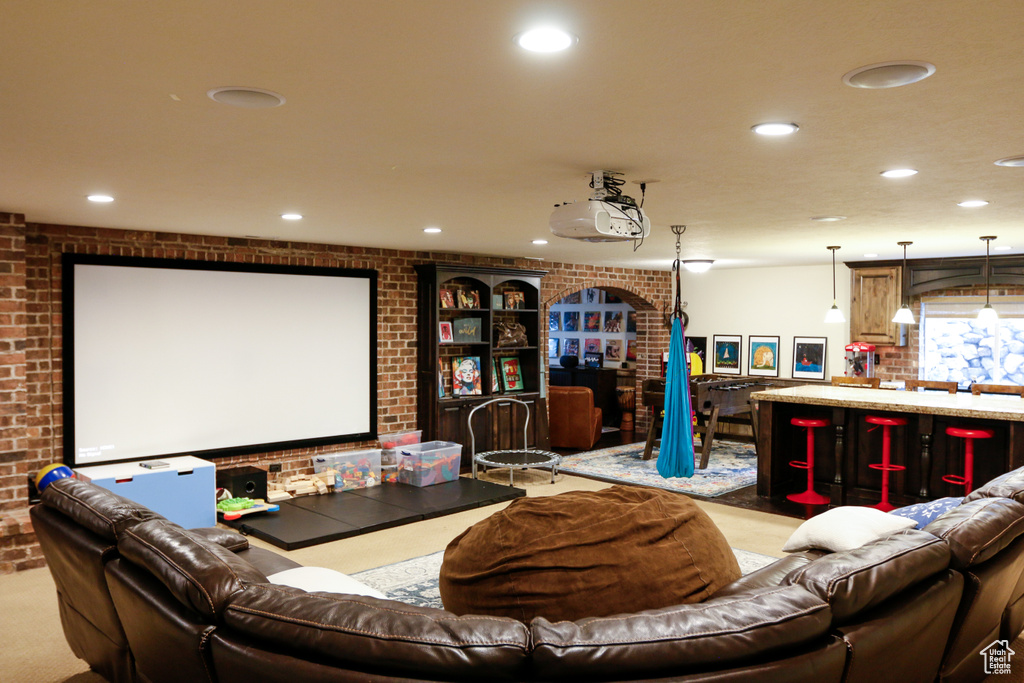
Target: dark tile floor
[[742, 498]]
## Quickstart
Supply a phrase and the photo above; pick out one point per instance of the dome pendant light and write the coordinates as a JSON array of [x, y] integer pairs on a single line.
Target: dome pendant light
[[834, 315], [987, 314], [904, 316]]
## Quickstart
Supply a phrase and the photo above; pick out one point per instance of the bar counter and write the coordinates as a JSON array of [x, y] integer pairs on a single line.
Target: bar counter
[[844, 451]]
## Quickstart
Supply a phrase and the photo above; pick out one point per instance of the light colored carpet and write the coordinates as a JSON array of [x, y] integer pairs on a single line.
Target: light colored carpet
[[731, 466]]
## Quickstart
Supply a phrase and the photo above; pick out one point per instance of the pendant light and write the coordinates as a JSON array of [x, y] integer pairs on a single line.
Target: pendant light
[[987, 314], [904, 316], [834, 315]]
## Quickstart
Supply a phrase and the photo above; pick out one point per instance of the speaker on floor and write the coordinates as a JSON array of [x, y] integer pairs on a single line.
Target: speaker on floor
[[244, 482]]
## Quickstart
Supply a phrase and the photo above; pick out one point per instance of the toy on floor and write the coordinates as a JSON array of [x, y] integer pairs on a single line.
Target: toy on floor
[[233, 508]]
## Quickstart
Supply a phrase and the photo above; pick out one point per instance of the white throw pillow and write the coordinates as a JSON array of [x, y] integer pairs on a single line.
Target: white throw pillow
[[845, 528], [321, 580]]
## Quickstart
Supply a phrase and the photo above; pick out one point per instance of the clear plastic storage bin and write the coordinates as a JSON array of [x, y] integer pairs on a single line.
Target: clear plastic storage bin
[[352, 469], [433, 462], [391, 444]]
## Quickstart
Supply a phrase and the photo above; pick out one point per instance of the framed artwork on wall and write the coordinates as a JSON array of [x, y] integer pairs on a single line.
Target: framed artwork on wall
[[553, 347], [511, 376], [571, 321], [466, 376], [593, 359], [571, 347], [763, 356], [592, 321], [554, 321], [809, 357], [445, 332], [726, 354]]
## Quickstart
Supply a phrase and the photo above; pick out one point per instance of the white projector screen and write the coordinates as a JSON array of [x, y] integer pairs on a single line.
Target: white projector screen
[[166, 357]]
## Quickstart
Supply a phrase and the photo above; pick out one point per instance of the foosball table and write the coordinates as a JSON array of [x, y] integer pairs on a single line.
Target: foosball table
[[714, 399]]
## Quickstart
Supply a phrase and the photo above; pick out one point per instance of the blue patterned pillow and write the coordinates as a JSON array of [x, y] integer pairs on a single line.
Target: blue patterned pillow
[[925, 513]]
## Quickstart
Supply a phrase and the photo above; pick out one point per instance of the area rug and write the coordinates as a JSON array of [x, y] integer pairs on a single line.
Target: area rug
[[415, 581], [731, 466]]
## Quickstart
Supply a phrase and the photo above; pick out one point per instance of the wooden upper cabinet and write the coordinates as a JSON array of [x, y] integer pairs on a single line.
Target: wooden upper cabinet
[[875, 295]]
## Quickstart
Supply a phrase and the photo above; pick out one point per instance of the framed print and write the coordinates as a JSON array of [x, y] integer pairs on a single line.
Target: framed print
[[495, 382], [763, 356], [496, 302], [511, 376], [571, 321], [592, 345], [697, 350], [592, 296], [593, 359], [631, 349], [809, 357], [466, 376], [554, 321], [592, 321], [553, 347], [630, 321], [445, 332], [447, 299], [613, 321], [466, 330], [573, 298], [726, 350], [611, 299], [440, 378], [571, 347], [613, 350], [515, 300]]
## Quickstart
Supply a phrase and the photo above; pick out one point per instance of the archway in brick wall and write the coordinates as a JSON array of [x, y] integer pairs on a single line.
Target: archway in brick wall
[[652, 337]]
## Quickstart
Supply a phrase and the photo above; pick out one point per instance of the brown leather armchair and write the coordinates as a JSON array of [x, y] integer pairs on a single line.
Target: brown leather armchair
[[573, 421]]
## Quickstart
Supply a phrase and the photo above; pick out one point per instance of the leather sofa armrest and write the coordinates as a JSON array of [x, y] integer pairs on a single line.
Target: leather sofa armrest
[[225, 538], [979, 529]]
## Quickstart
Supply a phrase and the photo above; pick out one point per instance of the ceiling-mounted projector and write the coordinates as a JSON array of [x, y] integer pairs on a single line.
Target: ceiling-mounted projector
[[608, 216]]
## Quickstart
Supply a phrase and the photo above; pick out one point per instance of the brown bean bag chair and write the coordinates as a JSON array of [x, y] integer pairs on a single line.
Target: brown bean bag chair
[[587, 554]]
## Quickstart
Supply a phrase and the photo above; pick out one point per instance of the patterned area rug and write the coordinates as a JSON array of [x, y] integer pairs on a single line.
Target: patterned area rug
[[415, 581], [731, 466]]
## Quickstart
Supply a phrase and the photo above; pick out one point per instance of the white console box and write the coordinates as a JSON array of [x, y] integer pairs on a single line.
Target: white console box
[[185, 492]]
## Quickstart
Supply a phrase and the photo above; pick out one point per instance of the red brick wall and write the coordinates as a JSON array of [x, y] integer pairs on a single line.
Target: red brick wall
[[902, 362], [30, 336]]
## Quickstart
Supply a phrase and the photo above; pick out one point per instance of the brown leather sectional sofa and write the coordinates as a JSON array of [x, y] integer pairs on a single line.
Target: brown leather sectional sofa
[[142, 599]]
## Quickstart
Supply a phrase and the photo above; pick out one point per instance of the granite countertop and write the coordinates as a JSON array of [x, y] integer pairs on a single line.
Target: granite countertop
[[990, 407]]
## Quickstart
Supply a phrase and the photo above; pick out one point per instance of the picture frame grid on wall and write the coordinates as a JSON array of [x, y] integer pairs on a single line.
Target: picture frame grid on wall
[[763, 356], [727, 354], [809, 357]]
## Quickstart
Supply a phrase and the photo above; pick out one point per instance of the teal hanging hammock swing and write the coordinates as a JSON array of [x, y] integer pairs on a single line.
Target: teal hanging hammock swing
[[675, 457]]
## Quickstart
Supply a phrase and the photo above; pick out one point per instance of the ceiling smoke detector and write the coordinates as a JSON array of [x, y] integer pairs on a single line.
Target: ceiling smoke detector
[[246, 98]]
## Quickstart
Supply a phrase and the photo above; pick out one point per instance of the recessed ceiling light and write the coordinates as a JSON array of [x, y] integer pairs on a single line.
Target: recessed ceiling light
[[870, 255], [292, 216], [888, 74], [100, 198], [546, 39], [247, 98], [775, 129], [1011, 161], [540, 241], [828, 219], [899, 172], [972, 203], [431, 230]]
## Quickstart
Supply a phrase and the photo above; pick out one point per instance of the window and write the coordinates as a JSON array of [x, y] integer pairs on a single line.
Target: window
[[954, 346]]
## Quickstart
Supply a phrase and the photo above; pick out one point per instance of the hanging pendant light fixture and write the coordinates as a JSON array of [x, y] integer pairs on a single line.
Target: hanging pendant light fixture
[[904, 316], [834, 315], [987, 314]]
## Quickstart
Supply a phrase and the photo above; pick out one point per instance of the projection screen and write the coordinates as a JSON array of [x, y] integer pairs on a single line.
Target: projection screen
[[171, 357]]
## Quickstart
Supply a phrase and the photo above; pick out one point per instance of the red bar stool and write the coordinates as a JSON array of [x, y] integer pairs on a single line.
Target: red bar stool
[[810, 496], [886, 465], [968, 435]]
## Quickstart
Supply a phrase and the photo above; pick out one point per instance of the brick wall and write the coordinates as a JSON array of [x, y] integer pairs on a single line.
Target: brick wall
[[30, 336], [902, 362]]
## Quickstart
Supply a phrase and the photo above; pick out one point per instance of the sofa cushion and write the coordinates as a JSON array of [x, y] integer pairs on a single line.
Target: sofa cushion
[[978, 529], [924, 513], [1009, 485], [322, 580], [587, 553], [97, 509], [201, 575], [727, 631], [382, 636], [844, 528], [853, 581]]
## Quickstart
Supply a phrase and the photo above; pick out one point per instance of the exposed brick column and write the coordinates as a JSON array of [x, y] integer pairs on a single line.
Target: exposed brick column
[[15, 529]]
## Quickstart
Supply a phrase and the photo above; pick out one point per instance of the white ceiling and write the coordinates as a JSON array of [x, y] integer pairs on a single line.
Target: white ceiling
[[403, 114]]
